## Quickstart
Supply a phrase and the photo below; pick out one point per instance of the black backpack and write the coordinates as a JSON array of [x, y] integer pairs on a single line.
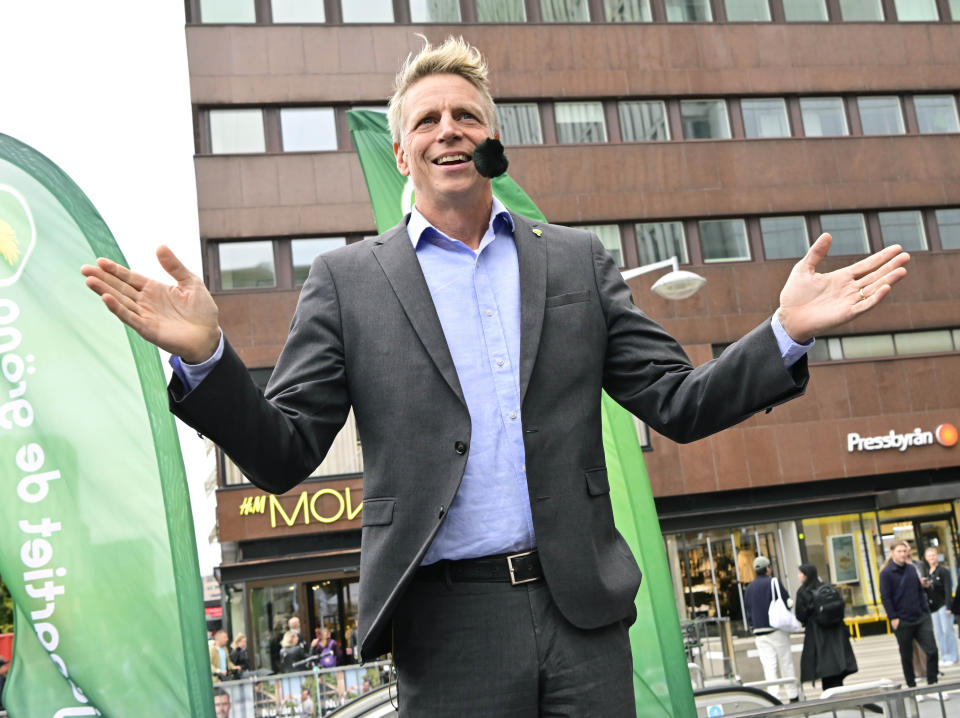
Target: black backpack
[[828, 605]]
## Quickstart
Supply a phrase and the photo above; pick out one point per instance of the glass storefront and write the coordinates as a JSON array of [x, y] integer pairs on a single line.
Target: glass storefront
[[711, 569], [715, 566], [317, 602]]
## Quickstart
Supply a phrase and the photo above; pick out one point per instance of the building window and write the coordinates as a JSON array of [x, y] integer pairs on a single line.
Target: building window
[[228, 11], [903, 228], [246, 265], [565, 10], [849, 233], [520, 124], [366, 11], [643, 121], [861, 10], [926, 342], [936, 113], [916, 10], [308, 129], [304, 251], [948, 222], [643, 433], [747, 10], [435, 10], [765, 118], [724, 240], [689, 11], [823, 117], [580, 122], [955, 10], [501, 11], [868, 345], [657, 241], [609, 235], [805, 11], [704, 119], [627, 11], [881, 115], [297, 11], [236, 131], [784, 237]]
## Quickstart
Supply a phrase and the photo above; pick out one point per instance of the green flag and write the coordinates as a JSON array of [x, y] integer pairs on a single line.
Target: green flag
[[661, 677], [96, 536]]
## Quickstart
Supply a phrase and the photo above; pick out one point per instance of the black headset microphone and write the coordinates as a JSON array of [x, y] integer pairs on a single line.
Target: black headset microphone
[[489, 159]]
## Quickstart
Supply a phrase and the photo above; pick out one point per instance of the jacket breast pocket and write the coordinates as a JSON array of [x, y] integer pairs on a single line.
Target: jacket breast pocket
[[560, 300], [377, 512], [597, 482]]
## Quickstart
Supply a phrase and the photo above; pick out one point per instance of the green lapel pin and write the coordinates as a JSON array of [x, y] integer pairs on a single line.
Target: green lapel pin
[[536, 231]]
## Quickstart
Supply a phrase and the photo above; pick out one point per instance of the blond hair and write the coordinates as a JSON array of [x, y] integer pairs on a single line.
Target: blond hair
[[454, 57]]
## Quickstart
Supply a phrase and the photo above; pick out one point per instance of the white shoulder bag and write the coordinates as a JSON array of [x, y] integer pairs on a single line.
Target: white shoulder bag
[[780, 616]]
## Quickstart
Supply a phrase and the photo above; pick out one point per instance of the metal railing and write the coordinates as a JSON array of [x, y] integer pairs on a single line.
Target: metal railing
[[710, 653], [896, 702], [281, 694]]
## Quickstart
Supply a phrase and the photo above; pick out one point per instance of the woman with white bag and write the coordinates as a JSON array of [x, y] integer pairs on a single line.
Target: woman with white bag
[[767, 602]]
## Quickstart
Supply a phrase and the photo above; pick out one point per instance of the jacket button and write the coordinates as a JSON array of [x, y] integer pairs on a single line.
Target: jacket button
[[460, 448], [440, 514]]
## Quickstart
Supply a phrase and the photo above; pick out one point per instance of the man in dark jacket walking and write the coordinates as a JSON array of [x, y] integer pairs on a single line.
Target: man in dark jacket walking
[[905, 601], [773, 645]]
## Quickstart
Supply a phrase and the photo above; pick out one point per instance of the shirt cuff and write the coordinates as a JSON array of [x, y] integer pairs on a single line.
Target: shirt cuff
[[192, 374], [790, 351]]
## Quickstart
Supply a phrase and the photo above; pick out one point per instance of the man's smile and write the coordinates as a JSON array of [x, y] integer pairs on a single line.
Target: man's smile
[[452, 158]]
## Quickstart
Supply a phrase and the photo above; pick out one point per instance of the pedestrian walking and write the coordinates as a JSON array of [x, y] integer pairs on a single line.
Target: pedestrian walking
[[905, 601], [827, 653], [773, 644], [939, 594]]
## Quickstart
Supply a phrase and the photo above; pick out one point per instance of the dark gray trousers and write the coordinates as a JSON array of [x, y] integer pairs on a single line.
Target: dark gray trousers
[[920, 630], [492, 649]]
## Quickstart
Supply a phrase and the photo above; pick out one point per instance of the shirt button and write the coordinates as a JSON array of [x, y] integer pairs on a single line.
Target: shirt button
[[499, 362], [460, 448], [523, 468], [489, 313], [513, 415]]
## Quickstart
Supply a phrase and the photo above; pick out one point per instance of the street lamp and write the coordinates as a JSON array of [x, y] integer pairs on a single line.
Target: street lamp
[[676, 284]]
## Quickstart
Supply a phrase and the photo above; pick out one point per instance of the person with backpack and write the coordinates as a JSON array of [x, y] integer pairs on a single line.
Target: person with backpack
[[938, 596], [827, 653], [905, 601]]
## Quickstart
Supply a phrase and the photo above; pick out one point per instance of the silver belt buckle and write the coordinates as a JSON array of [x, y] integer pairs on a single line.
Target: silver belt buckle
[[513, 579]]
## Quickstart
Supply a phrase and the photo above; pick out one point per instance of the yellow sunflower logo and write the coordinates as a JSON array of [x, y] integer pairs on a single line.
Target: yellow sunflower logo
[[9, 249]]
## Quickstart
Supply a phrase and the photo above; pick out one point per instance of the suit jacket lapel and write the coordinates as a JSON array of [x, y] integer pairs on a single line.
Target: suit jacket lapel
[[532, 256], [398, 260]]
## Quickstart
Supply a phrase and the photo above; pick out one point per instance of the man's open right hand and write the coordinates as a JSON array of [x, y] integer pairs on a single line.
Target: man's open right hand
[[181, 319]]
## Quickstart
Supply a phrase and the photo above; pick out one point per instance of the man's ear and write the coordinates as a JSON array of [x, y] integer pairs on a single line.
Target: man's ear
[[401, 156]]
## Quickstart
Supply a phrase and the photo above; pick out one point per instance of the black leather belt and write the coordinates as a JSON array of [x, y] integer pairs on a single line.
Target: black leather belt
[[517, 568]]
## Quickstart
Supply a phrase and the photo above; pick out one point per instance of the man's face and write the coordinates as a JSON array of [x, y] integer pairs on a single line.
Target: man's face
[[220, 639], [901, 554], [443, 121], [221, 705]]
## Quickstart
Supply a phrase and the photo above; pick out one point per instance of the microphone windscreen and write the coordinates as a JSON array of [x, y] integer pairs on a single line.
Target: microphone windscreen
[[490, 159]]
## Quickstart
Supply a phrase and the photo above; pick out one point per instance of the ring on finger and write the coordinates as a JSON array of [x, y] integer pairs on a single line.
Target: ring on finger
[[862, 295]]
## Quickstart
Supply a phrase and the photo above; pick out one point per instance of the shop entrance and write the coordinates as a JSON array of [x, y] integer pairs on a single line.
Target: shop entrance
[[320, 602], [716, 566], [921, 532]]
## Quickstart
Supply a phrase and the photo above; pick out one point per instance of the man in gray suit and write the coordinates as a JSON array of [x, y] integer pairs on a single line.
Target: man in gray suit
[[473, 345]]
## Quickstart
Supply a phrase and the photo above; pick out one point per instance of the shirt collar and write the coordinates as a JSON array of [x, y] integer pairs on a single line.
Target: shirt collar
[[419, 224]]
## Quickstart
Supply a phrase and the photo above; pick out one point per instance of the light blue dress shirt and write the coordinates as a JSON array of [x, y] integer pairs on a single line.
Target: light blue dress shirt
[[477, 298]]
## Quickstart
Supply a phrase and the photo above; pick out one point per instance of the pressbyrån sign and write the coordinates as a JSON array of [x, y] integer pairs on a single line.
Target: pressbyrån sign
[[944, 434]]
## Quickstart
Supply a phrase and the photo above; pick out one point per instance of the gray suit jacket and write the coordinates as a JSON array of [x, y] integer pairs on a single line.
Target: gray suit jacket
[[366, 334]]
